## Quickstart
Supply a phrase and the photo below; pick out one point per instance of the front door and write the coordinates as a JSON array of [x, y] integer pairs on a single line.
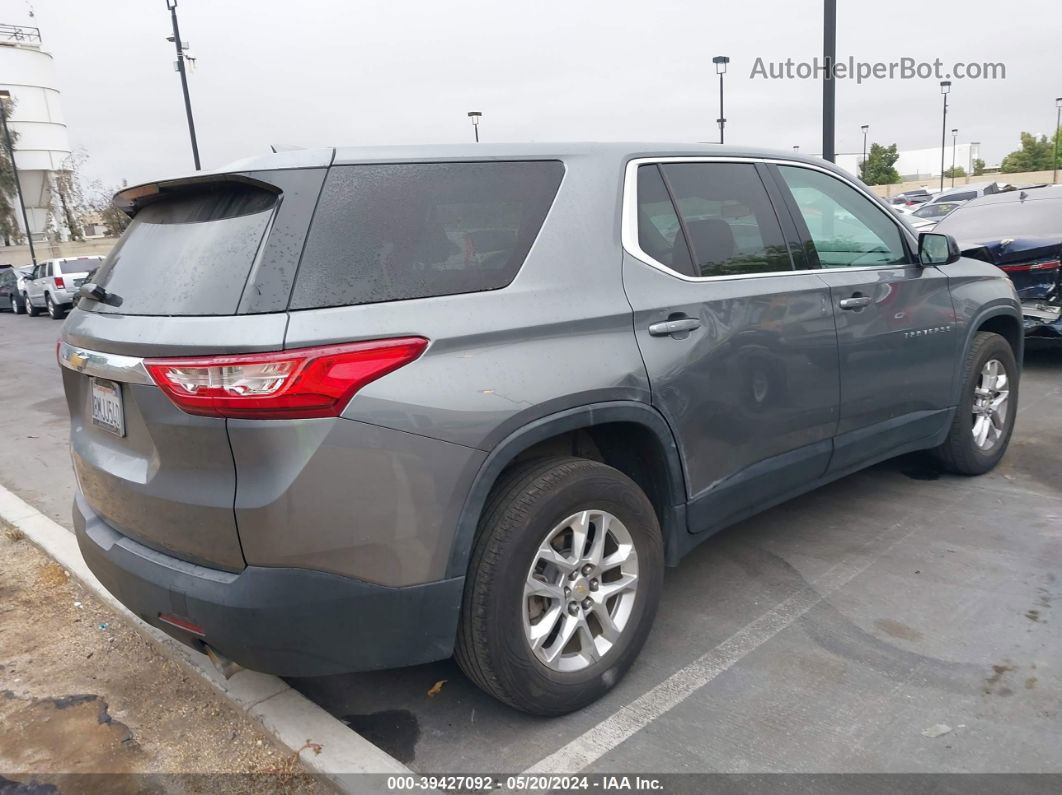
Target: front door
[[34, 289], [740, 348], [895, 321]]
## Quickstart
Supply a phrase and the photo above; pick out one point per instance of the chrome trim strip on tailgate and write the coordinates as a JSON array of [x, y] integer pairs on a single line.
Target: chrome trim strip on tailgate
[[126, 369]]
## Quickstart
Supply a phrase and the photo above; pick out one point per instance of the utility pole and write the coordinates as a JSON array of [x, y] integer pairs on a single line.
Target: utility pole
[[829, 85], [4, 97], [180, 46], [954, 145]]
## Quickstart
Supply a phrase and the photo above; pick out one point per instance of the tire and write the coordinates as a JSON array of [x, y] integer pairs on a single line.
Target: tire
[[55, 312], [525, 508], [31, 310], [961, 452], [17, 307]]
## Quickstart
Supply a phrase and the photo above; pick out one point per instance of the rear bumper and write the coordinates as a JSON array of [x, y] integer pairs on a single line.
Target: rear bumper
[[283, 621]]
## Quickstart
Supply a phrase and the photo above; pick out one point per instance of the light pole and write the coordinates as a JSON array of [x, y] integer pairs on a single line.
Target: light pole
[[180, 65], [720, 62], [475, 116], [865, 128], [954, 144], [5, 96], [945, 87], [1058, 123]]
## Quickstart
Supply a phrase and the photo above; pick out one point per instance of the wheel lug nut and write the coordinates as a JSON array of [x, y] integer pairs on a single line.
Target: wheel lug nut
[[567, 591], [587, 569], [594, 585], [573, 608], [574, 575], [587, 603]]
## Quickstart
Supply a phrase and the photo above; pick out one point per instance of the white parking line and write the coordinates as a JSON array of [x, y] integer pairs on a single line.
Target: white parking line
[[630, 718]]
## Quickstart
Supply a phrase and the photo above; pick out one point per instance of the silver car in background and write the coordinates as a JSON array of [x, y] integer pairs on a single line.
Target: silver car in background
[[53, 284]]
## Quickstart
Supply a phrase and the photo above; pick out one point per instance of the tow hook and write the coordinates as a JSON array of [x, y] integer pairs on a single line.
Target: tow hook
[[225, 666]]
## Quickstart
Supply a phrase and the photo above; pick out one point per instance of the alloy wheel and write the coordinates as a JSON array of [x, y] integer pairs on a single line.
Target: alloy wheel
[[990, 405], [580, 590]]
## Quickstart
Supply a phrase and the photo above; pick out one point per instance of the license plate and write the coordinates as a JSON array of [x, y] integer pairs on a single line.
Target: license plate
[[107, 411]]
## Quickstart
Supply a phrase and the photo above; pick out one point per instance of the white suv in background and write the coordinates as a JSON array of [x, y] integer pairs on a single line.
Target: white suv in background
[[54, 283]]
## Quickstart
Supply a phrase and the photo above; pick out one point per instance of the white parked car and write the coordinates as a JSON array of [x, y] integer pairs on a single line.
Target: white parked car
[[53, 284], [926, 217]]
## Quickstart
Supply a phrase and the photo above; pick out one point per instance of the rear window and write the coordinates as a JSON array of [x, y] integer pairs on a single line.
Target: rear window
[[995, 220], [189, 254], [394, 232]]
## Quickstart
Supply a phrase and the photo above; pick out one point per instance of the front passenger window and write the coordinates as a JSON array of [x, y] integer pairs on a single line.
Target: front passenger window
[[847, 229]]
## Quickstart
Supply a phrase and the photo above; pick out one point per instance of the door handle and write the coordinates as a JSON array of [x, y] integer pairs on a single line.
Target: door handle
[[666, 328], [855, 302]]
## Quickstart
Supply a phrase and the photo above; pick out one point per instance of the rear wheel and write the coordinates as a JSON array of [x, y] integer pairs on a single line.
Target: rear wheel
[[16, 305], [31, 310], [984, 418], [563, 585], [55, 312]]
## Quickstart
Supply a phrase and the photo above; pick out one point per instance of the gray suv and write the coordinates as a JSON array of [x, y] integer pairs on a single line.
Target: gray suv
[[353, 409]]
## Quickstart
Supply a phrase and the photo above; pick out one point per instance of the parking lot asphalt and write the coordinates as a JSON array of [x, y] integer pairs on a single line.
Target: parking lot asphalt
[[830, 634]]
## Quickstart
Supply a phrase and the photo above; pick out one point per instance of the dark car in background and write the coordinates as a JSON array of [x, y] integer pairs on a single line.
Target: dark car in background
[[1020, 232], [10, 290]]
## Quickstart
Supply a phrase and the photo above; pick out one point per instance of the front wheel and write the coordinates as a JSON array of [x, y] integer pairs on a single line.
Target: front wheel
[[563, 585], [31, 310], [984, 418]]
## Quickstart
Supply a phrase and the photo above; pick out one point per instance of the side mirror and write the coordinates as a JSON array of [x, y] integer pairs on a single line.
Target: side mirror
[[93, 291], [937, 249]]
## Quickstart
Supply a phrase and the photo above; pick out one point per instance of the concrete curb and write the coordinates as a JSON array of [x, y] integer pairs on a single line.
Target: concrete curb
[[284, 713]]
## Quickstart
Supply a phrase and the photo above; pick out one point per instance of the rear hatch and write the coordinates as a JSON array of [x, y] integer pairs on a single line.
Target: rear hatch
[[75, 271], [176, 284]]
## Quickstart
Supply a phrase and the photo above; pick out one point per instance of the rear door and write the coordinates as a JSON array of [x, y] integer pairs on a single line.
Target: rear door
[[739, 345], [895, 321], [175, 282]]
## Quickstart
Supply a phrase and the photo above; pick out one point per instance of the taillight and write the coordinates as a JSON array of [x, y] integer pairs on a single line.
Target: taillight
[[1044, 265], [305, 382], [60, 283]]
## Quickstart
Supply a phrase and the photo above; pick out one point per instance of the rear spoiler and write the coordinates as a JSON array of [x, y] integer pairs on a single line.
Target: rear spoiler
[[134, 198]]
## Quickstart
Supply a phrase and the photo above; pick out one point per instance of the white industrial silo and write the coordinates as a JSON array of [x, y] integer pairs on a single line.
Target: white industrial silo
[[43, 148]]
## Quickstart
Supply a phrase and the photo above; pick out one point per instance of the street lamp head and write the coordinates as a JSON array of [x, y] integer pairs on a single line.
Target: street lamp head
[[1058, 102], [474, 115], [945, 86], [954, 130], [796, 147], [720, 62], [171, 4], [864, 128]]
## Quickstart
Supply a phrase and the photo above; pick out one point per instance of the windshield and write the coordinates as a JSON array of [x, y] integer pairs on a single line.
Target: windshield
[[187, 255]]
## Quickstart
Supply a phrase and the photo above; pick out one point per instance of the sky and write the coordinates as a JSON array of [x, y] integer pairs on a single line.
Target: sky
[[326, 72]]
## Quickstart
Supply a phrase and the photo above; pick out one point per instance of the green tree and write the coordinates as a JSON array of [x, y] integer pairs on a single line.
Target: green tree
[[958, 171], [1036, 154], [101, 202], [978, 167], [9, 228], [879, 167]]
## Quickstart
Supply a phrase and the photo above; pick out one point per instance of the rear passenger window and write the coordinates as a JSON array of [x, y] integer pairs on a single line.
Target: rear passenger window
[[393, 232], [847, 228], [659, 232], [727, 218]]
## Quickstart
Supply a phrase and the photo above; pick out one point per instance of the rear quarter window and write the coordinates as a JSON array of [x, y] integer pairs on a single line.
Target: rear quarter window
[[415, 230]]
